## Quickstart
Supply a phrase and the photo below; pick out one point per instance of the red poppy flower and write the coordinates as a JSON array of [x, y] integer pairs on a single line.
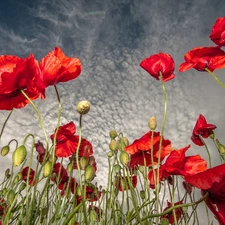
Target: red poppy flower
[[204, 57], [178, 164], [60, 175], [18, 74], [140, 149], [213, 182], [203, 129], [31, 178], [123, 183], [57, 67], [218, 32], [170, 216], [159, 63], [66, 141]]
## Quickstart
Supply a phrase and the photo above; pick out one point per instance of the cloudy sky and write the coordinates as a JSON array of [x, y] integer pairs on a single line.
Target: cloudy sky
[[111, 37]]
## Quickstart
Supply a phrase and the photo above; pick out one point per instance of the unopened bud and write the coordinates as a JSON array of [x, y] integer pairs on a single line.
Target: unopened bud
[[47, 169], [112, 134], [5, 150], [152, 123], [124, 158], [89, 173], [83, 107], [113, 146], [19, 155], [83, 162], [10, 197]]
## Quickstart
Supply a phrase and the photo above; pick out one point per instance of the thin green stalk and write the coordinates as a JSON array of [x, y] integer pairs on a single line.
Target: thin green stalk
[[160, 143], [4, 124], [39, 116], [83, 192], [174, 207], [215, 78], [209, 156]]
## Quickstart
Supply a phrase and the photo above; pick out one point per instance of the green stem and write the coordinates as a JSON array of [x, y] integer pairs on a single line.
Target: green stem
[[39, 116], [3, 127], [209, 156], [215, 78], [160, 143], [174, 207]]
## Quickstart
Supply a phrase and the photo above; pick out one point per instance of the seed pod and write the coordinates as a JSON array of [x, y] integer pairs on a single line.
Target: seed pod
[[83, 107], [152, 123], [89, 173], [19, 155], [124, 158], [112, 134], [10, 196], [5, 150], [47, 169], [113, 146]]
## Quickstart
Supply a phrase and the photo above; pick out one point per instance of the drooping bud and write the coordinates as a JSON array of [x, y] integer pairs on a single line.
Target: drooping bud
[[5, 150], [110, 154], [152, 123], [89, 173], [83, 162], [18, 177], [113, 134], [19, 155], [113, 146], [47, 169], [124, 158], [83, 107]]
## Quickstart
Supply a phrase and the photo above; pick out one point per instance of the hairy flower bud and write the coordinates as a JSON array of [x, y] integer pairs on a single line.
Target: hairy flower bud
[[152, 123], [83, 162], [124, 158], [112, 134], [47, 169], [19, 155], [89, 173], [113, 146], [83, 107], [10, 196], [5, 150]]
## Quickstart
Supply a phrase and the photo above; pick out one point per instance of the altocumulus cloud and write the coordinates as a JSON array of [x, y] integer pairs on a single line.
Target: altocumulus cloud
[[111, 39]]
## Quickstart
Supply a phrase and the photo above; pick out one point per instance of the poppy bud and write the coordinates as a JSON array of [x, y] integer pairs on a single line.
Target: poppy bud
[[83, 162], [5, 150], [18, 177], [142, 194], [19, 155], [112, 134], [70, 167], [22, 186], [212, 135], [7, 172], [221, 149], [113, 145], [89, 173], [10, 197], [47, 169], [152, 123], [110, 154], [83, 107], [126, 141], [117, 168], [124, 158]]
